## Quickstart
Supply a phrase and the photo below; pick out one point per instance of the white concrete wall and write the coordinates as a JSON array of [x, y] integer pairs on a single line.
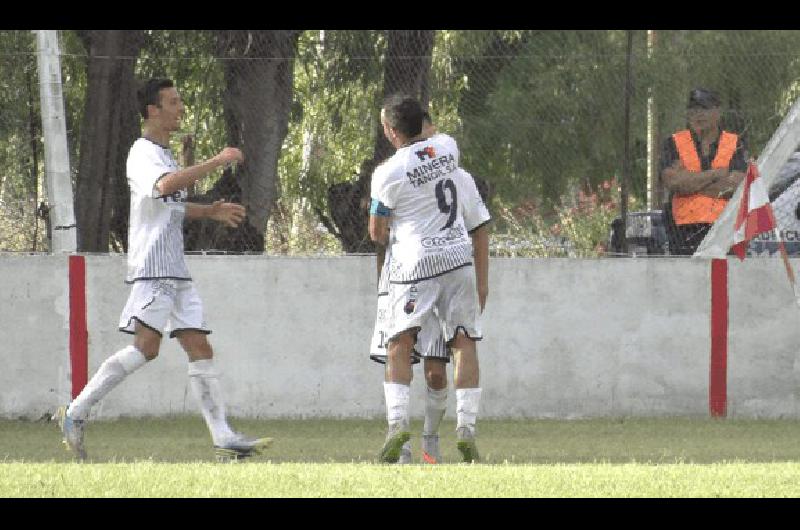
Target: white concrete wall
[[565, 338]]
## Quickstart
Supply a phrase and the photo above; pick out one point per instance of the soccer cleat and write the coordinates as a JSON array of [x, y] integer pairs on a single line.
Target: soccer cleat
[[405, 454], [397, 436], [239, 447], [72, 431], [430, 449], [466, 444]]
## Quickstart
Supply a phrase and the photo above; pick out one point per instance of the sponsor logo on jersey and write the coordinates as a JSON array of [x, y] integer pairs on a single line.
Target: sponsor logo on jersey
[[454, 236], [436, 168], [428, 152]]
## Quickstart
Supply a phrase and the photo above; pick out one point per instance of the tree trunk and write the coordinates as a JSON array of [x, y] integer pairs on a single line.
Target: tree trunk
[[109, 127], [258, 96], [206, 235], [406, 69]]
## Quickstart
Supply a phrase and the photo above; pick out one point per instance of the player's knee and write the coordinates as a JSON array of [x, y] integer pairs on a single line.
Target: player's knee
[[435, 373], [148, 346], [195, 345], [401, 344], [147, 341], [150, 351], [435, 380], [462, 341]]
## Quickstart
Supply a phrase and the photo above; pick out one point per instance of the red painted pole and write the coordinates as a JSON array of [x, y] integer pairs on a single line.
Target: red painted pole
[[78, 333], [718, 373]]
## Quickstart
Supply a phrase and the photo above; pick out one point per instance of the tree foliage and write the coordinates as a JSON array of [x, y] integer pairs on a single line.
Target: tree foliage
[[538, 114]]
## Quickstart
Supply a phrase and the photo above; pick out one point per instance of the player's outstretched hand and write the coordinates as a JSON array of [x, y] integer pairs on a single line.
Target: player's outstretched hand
[[230, 155], [229, 213]]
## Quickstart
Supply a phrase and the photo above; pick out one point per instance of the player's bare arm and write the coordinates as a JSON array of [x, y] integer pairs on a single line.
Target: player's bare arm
[[480, 245], [379, 229], [228, 213], [184, 178], [380, 256]]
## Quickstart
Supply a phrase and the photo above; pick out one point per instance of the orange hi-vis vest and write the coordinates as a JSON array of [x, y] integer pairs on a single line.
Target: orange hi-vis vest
[[696, 208]]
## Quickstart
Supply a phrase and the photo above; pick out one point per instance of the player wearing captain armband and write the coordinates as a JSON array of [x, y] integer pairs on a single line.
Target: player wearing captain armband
[[436, 354], [432, 278]]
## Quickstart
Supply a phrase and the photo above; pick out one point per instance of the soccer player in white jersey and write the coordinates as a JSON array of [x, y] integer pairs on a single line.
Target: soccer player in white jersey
[[430, 345], [415, 213], [163, 297]]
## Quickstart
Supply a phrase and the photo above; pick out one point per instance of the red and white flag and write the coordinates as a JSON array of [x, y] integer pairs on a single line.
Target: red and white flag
[[755, 212]]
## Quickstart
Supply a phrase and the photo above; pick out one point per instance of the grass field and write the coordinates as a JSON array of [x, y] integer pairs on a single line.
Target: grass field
[[172, 457]]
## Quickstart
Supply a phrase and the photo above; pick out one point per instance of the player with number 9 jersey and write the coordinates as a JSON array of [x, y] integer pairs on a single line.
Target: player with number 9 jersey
[[415, 212], [430, 342], [419, 184]]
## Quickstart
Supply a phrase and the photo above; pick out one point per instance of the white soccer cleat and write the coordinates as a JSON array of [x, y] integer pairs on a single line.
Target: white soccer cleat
[[465, 437], [239, 446], [397, 436], [72, 431]]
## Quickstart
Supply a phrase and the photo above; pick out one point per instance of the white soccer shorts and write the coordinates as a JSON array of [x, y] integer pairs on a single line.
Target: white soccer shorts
[[430, 338], [163, 306], [451, 297]]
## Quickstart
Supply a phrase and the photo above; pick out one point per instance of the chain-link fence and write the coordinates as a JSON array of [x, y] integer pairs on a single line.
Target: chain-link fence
[[540, 117], [23, 223]]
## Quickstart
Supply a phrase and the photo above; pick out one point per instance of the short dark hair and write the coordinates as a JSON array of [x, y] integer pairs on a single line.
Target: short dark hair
[[426, 117], [150, 93], [404, 113]]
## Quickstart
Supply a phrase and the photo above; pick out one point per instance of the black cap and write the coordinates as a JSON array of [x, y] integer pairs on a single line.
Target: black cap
[[702, 98]]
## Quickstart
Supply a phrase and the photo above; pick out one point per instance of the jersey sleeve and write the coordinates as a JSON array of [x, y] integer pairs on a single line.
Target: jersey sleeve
[[145, 168], [475, 212], [385, 187], [450, 144]]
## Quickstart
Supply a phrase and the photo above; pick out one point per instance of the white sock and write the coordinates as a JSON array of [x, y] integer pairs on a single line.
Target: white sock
[[109, 375], [467, 402], [397, 397], [204, 381], [435, 405]]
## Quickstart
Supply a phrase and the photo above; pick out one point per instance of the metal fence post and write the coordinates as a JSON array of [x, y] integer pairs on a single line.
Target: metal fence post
[[56, 155]]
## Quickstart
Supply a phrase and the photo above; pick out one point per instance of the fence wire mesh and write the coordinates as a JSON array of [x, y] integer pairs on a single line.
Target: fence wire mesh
[[539, 117], [23, 225]]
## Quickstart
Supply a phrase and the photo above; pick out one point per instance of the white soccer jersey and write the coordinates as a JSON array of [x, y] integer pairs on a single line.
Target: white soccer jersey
[[155, 237], [423, 186], [474, 209]]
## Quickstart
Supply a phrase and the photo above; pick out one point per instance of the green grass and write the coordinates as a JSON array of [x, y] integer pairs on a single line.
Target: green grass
[[172, 457]]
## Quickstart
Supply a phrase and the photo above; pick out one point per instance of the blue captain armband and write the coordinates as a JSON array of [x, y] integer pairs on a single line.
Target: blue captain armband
[[379, 209]]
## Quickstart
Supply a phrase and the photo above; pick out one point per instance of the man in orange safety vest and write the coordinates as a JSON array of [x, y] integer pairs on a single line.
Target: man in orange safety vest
[[701, 166]]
